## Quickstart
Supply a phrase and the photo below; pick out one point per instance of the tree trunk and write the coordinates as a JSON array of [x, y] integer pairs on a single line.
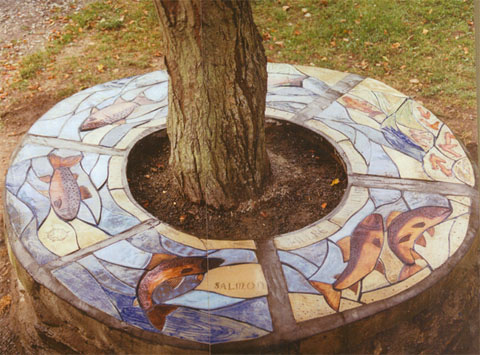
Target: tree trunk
[[218, 84]]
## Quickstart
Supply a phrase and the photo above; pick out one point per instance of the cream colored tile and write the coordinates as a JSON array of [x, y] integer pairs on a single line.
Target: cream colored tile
[[124, 202], [282, 115], [86, 234], [345, 305], [458, 209], [463, 170], [158, 122], [57, 235], [376, 85], [436, 250], [356, 199], [365, 120], [408, 168], [393, 265], [387, 292], [330, 77], [458, 232], [95, 136], [426, 118], [306, 236], [243, 281], [130, 137], [355, 159], [373, 281], [115, 172], [352, 295], [448, 144], [282, 68], [464, 200], [360, 92], [306, 306], [327, 131], [438, 166], [180, 237], [228, 244]]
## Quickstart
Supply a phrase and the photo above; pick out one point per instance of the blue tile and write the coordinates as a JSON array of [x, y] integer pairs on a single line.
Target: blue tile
[[341, 127], [49, 127], [419, 199], [253, 311], [85, 214], [382, 197], [148, 241], [16, 176], [299, 263], [335, 112], [18, 213], [128, 276], [381, 163], [30, 151], [332, 266], [150, 79], [104, 277], [362, 144], [117, 221], [314, 253], [42, 167], [71, 128], [96, 99], [385, 210], [124, 254], [205, 328], [88, 162], [235, 256], [36, 249], [116, 134], [38, 203], [286, 106], [37, 184], [372, 134], [157, 92], [315, 85], [180, 249], [296, 282], [290, 91], [204, 300], [165, 292], [99, 173], [65, 107], [85, 287], [352, 223]]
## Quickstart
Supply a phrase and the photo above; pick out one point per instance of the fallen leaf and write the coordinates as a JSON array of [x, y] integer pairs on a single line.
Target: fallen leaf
[[304, 10], [414, 81], [324, 205], [263, 214], [395, 45], [308, 14], [182, 218], [285, 8], [425, 31], [101, 68], [5, 302], [335, 182]]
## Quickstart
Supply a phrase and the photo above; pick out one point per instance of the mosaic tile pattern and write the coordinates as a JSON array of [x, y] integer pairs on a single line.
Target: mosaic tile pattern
[[71, 210]]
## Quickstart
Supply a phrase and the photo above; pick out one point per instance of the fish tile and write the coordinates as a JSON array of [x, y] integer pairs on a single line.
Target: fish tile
[[204, 300], [209, 329], [242, 281], [165, 292], [392, 264], [157, 92], [314, 253], [85, 287], [124, 254], [127, 275], [409, 168], [355, 201], [382, 197], [36, 249], [458, 233], [87, 234], [235, 256], [296, 282], [70, 129], [326, 130], [124, 202], [297, 262], [306, 306], [115, 173], [58, 236], [148, 241], [38, 203], [30, 151], [19, 214], [254, 311], [99, 173], [332, 266], [357, 163], [179, 242], [387, 292], [16, 176], [306, 236], [104, 277]]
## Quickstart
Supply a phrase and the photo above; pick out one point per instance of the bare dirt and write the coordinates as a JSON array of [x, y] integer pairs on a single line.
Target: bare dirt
[[299, 192]]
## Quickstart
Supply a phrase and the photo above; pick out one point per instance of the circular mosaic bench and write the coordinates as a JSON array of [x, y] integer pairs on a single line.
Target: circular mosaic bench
[[409, 214]]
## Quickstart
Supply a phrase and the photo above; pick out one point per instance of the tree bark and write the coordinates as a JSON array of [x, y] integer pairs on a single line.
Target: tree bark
[[217, 90]]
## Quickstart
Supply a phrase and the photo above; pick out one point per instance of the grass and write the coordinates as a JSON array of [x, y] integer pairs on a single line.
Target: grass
[[421, 47]]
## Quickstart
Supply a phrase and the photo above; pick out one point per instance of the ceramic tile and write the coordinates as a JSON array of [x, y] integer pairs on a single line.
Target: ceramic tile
[[463, 171], [58, 236], [307, 306], [365, 120], [332, 266], [348, 131], [38, 203], [87, 234], [104, 277], [464, 200], [115, 172], [316, 86], [409, 168], [116, 221], [228, 244], [458, 233], [70, 129], [374, 135], [150, 78], [130, 137], [165, 292], [290, 99], [448, 144], [128, 276], [375, 85], [286, 106], [356, 200], [99, 173], [352, 294], [65, 106], [392, 264], [306, 236], [330, 77], [374, 280], [235, 256], [278, 79], [49, 127], [352, 223], [148, 241], [458, 209], [345, 305], [180, 249], [314, 253], [382, 197], [34, 247], [132, 95], [179, 239], [438, 166], [124, 254], [363, 146], [298, 263], [19, 214], [436, 251], [288, 92], [380, 163], [30, 151], [16, 176], [158, 122], [204, 300], [387, 292], [124, 202], [108, 102], [157, 92], [85, 287], [335, 112], [417, 199], [96, 99], [209, 329], [296, 282], [116, 134], [357, 163], [86, 215], [327, 131], [95, 136], [390, 103], [282, 68], [243, 281], [42, 167], [148, 112]]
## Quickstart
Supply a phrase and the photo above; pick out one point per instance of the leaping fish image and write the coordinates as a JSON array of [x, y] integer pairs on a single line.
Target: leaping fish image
[[116, 112], [362, 105], [362, 251], [169, 279], [64, 192], [406, 229]]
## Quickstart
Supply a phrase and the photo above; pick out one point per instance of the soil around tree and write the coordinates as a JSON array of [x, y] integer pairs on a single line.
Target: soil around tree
[[308, 181]]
